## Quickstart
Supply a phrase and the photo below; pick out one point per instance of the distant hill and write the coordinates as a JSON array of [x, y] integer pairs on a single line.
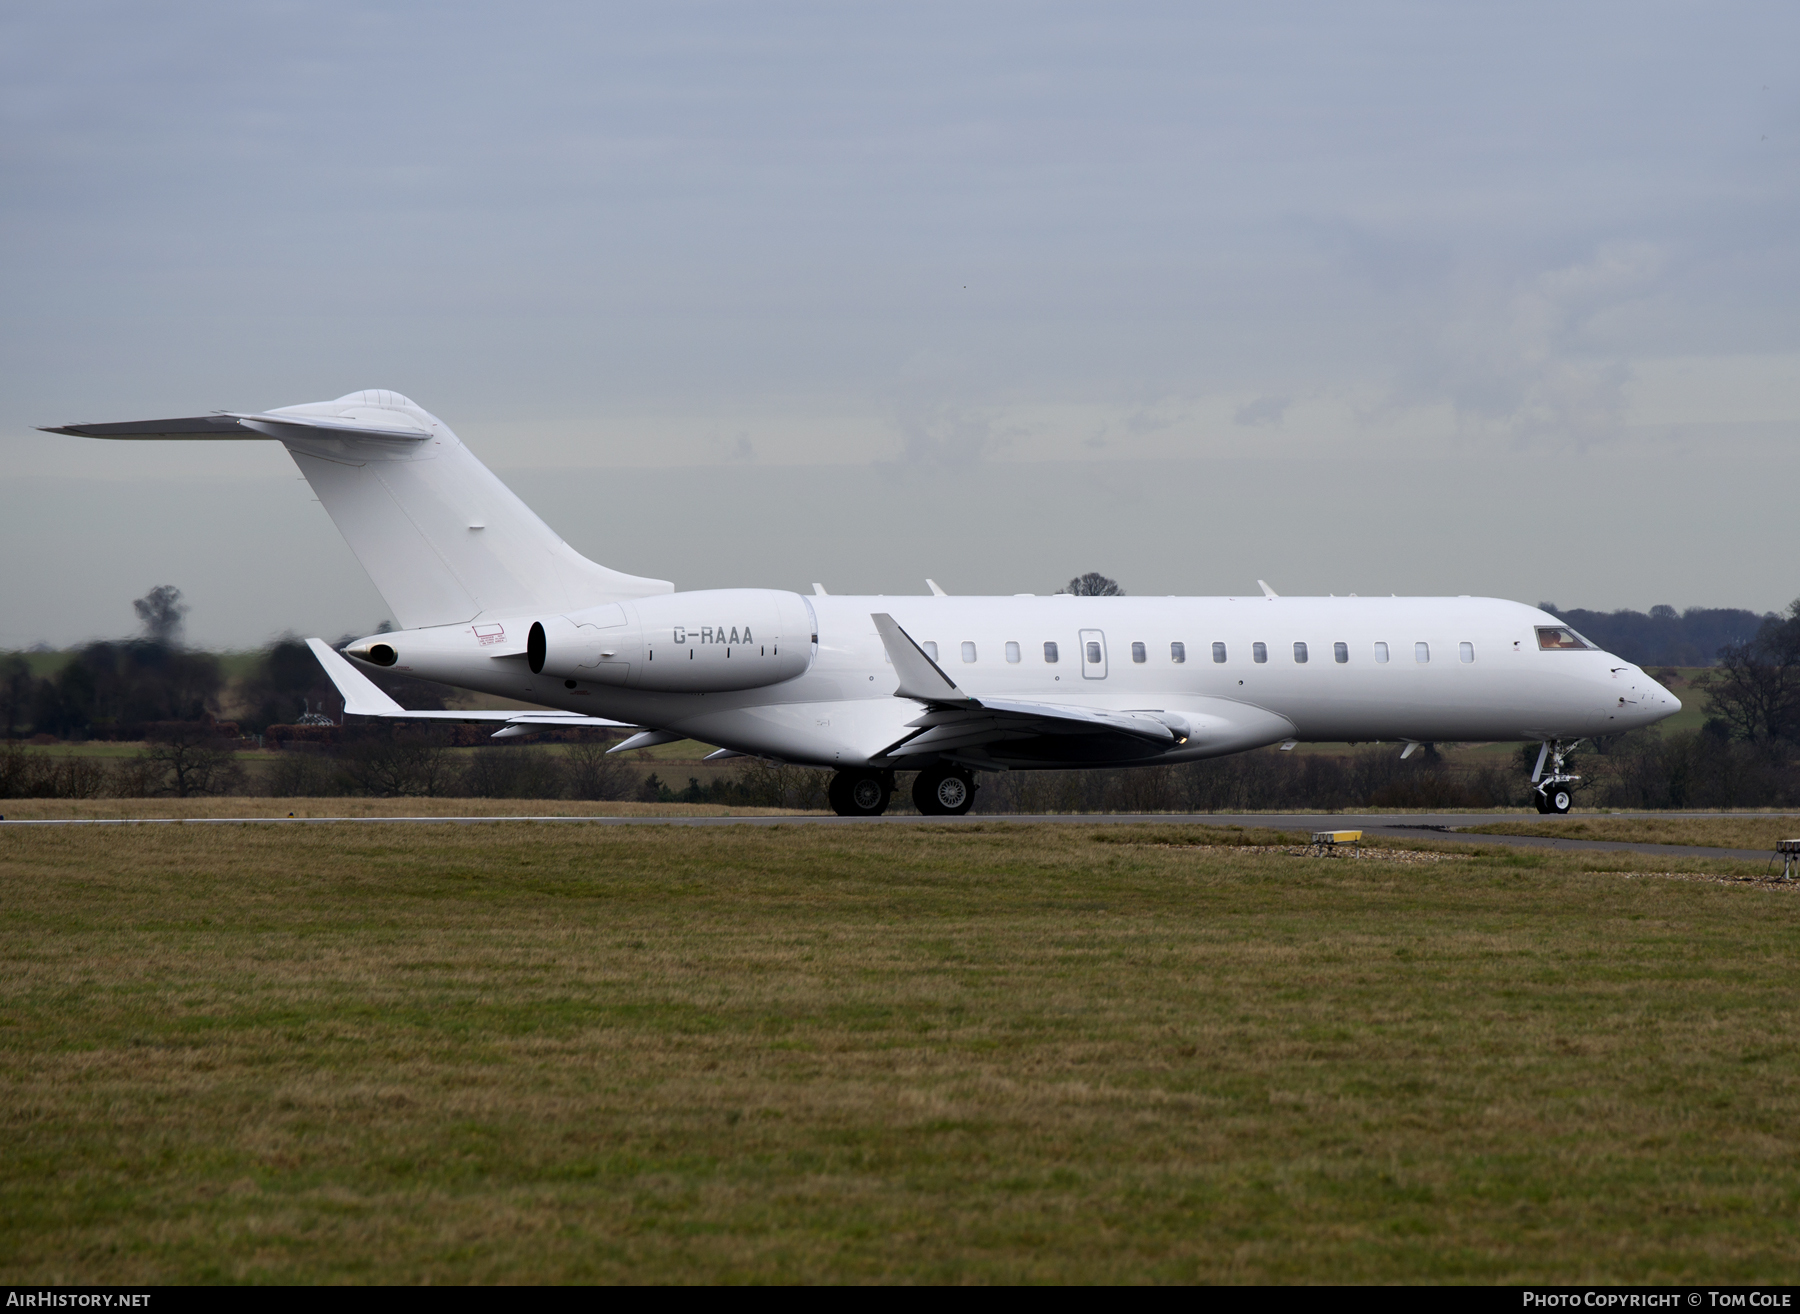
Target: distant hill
[[1664, 637]]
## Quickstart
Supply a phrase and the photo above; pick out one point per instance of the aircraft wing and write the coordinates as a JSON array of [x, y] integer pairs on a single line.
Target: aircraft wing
[[363, 697], [945, 729], [954, 720]]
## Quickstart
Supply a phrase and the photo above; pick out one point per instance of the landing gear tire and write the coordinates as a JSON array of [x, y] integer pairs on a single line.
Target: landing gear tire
[[1555, 799], [1554, 792], [859, 793], [943, 792]]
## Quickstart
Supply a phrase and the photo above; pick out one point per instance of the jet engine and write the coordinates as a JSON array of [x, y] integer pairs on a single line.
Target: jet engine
[[707, 641]]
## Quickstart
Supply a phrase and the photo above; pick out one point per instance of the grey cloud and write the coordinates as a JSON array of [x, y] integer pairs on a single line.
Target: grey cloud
[[1264, 410], [947, 437], [1521, 359]]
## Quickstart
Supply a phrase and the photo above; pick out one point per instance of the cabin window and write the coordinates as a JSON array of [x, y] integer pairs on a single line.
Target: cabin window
[[1552, 637], [1219, 653], [1421, 653], [1259, 652], [1178, 653], [1465, 652], [1300, 654], [1340, 653], [1050, 653], [1138, 654], [968, 651], [1093, 654], [1381, 652], [1012, 652], [930, 647]]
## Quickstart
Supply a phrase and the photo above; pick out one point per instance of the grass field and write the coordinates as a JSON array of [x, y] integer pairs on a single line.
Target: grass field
[[986, 1053], [1747, 830]]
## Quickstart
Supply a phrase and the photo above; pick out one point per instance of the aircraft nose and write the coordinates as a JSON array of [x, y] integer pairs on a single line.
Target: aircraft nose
[[1642, 701], [1660, 703]]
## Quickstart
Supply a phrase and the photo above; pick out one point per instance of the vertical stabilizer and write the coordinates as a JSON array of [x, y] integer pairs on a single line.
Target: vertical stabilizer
[[444, 541]]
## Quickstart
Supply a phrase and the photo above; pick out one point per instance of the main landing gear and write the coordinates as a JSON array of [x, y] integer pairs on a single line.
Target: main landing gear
[[943, 791], [1553, 791], [939, 791], [860, 793]]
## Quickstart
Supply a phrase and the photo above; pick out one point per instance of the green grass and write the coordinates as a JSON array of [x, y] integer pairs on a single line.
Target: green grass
[[1744, 830], [990, 1053]]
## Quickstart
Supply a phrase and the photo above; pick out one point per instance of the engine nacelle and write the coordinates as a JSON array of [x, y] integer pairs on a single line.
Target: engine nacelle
[[708, 641]]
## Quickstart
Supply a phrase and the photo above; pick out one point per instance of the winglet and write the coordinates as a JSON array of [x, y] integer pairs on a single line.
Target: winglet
[[361, 695], [920, 677], [932, 584], [1268, 592]]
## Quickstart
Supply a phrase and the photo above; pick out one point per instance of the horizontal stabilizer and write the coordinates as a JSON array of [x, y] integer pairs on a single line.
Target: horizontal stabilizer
[[231, 424], [443, 540], [362, 697]]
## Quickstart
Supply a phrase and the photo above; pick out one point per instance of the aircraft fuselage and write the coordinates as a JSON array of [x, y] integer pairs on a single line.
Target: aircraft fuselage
[[1239, 672]]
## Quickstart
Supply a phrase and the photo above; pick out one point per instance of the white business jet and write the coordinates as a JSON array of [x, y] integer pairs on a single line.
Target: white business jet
[[490, 599]]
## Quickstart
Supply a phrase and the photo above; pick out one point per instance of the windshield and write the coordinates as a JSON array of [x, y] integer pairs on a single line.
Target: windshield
[[1560, 636]]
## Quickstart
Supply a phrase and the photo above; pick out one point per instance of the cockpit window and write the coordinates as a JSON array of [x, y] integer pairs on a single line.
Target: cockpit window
[[1552, 637]]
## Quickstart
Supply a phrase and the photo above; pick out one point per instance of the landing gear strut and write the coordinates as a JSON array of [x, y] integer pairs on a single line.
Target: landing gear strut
[[943, 791], [1553, 790], [860, 793]]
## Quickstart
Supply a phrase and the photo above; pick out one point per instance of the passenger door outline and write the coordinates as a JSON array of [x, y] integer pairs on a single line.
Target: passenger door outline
[[1091, 670]]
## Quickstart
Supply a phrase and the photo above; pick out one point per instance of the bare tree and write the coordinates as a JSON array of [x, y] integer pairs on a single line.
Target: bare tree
[[162, 614], [513, 771], [415, 762], [1093, 585], [777, 785], [185, 758], [301, 774], [1756, 689], [25, 774], [593, 773]]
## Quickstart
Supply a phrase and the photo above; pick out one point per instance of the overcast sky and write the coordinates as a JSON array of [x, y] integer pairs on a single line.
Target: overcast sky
[[1374, 298]]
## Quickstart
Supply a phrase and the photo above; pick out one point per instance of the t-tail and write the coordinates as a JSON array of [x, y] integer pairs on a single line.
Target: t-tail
[[444, 541]]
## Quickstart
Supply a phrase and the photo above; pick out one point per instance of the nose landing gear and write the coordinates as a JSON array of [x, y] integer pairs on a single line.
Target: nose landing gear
[[1553, 791]]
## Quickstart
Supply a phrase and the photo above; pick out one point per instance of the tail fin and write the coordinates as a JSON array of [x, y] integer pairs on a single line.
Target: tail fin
[[444, 541]]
